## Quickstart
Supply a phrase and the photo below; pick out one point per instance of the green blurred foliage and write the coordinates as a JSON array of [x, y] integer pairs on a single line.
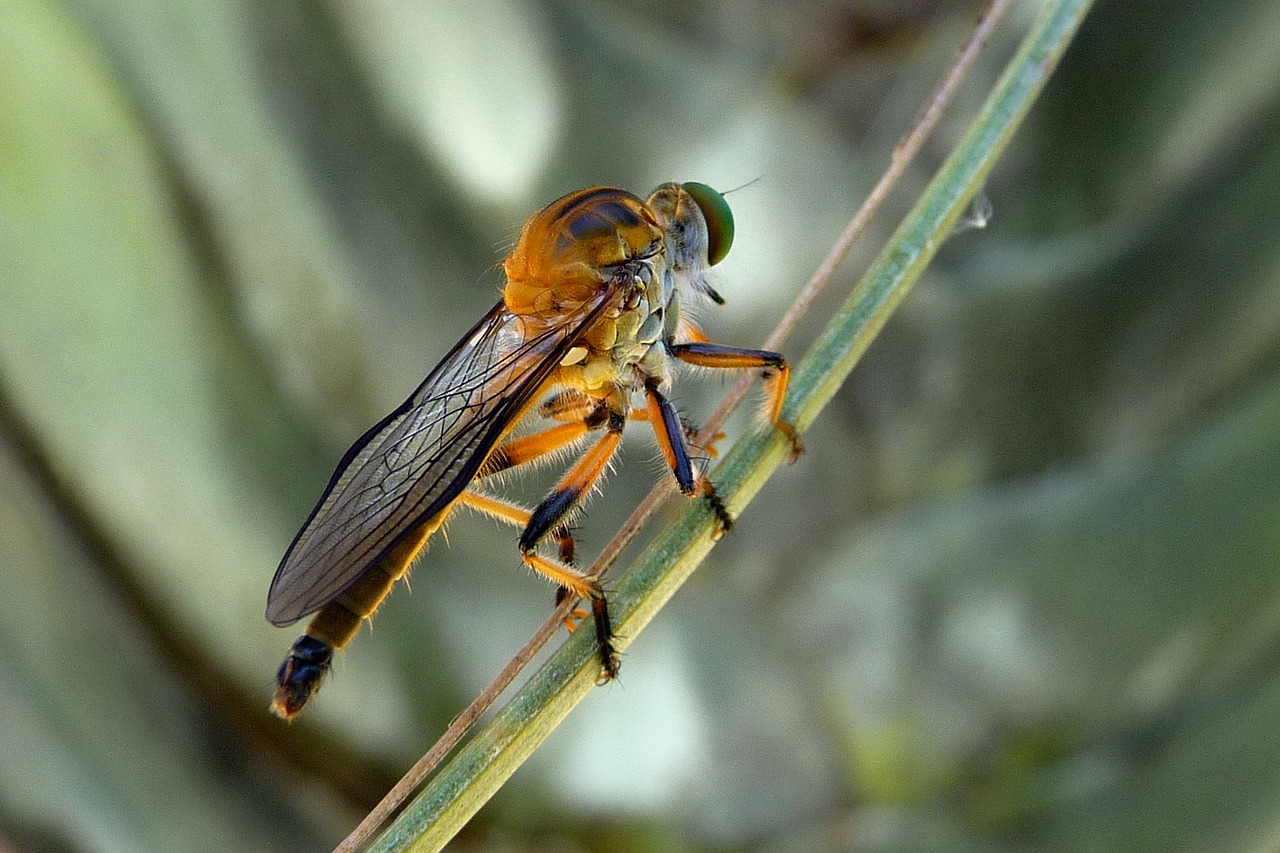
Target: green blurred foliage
[[1021, 593]]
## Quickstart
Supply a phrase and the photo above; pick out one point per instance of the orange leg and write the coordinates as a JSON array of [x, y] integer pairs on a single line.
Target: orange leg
[[527, 448], [672, 441], [568, 404], [552, 512], [582, 414], [516, 516], [576, 482], [671, 438], [708, 354], [567, 579]]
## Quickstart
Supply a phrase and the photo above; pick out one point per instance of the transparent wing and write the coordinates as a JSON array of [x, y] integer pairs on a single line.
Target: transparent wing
[[412, 465]]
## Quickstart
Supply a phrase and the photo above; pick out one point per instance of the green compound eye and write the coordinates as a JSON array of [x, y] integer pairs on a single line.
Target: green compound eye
[[715, 210]]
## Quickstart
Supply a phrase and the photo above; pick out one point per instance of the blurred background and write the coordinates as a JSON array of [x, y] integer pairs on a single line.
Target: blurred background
[[1020, 593]]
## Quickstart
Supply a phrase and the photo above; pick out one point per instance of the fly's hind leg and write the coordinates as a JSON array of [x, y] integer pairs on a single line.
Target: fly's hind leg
[[518, 516], [553, 513], [518, 451], [568, 580], [579, 415], [573, 582]]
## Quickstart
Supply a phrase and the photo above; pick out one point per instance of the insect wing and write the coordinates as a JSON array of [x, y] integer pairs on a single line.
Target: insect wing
[[414, 463]]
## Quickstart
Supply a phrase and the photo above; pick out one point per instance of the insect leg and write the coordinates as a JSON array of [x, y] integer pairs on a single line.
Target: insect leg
[[568, 404], [670, 432], [568, 579], [671, 437], [576, 482], [517, 516], [518, 451], [584, 414], [552, 512], [571, 404], [709, 354], [583, 587], [581, 415]]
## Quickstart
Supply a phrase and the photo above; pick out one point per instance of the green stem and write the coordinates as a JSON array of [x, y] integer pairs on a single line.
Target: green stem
[[496, 750]]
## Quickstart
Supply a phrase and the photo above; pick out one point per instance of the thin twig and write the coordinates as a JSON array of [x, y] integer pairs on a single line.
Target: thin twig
[[454, 733], [904, 152]]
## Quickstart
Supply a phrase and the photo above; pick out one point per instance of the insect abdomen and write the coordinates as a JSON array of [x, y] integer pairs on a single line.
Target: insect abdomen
[[300, 675], [337, 624]]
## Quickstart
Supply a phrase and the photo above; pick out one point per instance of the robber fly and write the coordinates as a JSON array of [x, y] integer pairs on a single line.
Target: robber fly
[[589, 322]]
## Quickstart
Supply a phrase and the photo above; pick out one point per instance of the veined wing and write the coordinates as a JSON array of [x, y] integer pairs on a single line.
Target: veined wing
[[415, 462]]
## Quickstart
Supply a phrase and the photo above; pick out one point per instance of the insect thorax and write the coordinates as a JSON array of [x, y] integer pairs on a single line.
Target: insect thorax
[[571, 249]]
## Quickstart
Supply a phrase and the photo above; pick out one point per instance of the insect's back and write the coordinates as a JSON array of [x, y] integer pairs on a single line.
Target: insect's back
[[571, 247]]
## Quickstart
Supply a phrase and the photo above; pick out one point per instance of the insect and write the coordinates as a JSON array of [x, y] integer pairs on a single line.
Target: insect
[[589, 322]]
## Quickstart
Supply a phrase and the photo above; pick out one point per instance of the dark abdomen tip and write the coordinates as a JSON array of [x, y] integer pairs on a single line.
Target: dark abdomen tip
[[300, 675]]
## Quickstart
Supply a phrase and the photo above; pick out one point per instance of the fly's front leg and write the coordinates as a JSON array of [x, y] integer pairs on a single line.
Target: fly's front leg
[[777, 372]]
